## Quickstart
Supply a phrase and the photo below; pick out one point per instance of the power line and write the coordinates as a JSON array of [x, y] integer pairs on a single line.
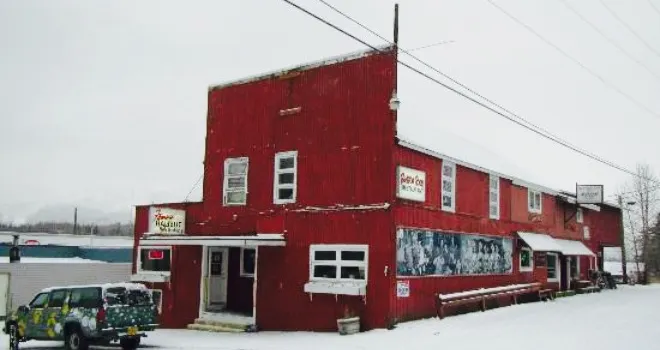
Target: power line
[[574, 60], [194, 186], [427, 46], [630, 29], [565, 144], [612, 42]]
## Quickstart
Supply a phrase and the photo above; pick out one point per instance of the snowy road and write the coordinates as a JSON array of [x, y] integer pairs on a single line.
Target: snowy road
[[625, 318]]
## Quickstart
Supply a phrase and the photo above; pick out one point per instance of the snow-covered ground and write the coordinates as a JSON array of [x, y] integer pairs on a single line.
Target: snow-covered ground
[[625, 318], [68, 240]]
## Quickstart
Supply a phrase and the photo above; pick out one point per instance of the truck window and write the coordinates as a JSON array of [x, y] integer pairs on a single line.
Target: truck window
[[39, 301], [57, 297], [85, 297], [130, 297]]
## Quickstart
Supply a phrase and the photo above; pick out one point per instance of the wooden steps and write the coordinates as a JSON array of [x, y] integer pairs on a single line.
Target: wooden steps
[[216, 326]]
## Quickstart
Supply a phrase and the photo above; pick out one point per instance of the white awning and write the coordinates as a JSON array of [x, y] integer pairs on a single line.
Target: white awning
[[569, 247], [276, 240], [540, 242]]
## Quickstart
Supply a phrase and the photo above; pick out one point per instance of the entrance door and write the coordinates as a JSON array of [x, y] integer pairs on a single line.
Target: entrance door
[[217, 278]]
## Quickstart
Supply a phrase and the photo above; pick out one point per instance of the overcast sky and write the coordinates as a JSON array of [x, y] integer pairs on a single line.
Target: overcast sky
[[103, 103]]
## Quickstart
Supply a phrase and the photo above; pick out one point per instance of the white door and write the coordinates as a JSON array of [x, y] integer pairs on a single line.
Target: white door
[[4, 293], [217, 277]]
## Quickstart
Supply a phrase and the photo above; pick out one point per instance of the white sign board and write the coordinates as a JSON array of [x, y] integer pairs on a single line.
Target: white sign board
[[167, 221], [589, 194], [402, 289], [411, 184], [585, 233]]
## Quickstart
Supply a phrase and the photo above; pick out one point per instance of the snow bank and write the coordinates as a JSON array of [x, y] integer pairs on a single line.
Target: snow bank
[[32, 260]]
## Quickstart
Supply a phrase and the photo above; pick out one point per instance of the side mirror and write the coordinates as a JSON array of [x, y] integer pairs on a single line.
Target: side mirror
[[23, 309]]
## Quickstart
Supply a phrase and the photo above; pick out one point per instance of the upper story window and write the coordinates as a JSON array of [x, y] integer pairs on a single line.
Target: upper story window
[[234, 188], [494, 197], [286, 166], [448, 186], [579, 216], [534, 201]]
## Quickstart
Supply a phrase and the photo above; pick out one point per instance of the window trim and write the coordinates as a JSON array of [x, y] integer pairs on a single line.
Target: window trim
[[579, 216], [529, 268], [277, 171], [452, 178], [496, 216], [225, 179], [338, 248], [530, 207], [149, 272], [242, 270], [586, 232], [557, 267]]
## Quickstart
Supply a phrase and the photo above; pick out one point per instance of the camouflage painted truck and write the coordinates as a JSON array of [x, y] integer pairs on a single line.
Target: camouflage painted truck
[[85, 315]]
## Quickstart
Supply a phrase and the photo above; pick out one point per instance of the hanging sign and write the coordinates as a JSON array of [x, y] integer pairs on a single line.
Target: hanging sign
[[402, 289], [589, 194], [411, 184]]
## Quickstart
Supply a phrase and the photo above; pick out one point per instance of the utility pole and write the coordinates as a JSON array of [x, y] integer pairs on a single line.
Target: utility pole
[[75, 220], [624, 264]]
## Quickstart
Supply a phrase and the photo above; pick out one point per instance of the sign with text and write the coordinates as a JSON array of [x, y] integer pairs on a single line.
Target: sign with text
[[589, 194], [167, 221], [402, 289], [411, 184]]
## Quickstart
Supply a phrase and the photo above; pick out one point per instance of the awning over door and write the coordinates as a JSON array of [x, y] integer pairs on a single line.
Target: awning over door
[[540, 242], [276, 240], [569, 247]]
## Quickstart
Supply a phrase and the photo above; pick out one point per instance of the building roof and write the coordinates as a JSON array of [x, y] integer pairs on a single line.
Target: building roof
[[306, 66]]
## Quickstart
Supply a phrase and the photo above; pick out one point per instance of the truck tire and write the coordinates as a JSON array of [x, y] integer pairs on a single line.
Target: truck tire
[[74, 339], [129, 343]]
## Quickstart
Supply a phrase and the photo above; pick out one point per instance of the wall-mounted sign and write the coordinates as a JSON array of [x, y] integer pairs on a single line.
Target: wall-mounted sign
[[539, 259], [586, 234], [411, 184], [589, 194], [167, 221], [402, 289]]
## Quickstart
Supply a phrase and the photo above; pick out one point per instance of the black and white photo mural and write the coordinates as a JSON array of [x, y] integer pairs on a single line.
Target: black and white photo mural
[[422, 252]]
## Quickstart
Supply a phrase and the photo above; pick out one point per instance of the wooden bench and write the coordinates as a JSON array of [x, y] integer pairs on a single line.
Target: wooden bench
[[546, 294], [481, 295], [589, 289]]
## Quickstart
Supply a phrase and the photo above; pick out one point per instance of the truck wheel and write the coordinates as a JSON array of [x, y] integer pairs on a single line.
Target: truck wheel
[[13, 336], [75, 340], [129, 343]]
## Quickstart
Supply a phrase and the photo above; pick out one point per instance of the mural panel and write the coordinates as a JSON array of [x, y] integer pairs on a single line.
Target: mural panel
[[423, 252]]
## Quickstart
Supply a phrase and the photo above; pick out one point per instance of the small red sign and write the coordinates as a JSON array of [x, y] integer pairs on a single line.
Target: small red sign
[[156, 255], [31, 242]]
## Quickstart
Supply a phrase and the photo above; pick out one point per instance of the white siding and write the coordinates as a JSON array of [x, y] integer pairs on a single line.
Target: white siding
[[26, 279]]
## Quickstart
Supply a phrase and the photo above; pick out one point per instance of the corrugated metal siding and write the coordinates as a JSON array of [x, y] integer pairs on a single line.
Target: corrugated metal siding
[[29, 278]]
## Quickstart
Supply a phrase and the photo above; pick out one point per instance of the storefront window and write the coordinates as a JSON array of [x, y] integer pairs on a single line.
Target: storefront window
[[248, 256], [551, 265], [155, 259], [526, 262], [338, 262]]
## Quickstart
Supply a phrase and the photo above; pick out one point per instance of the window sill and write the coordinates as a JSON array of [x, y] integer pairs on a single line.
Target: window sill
[[150, 277], [342, 288], [526, 269]]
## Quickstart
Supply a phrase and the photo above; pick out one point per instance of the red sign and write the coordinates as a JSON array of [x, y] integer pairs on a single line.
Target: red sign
[[31, 242], [156, 254]]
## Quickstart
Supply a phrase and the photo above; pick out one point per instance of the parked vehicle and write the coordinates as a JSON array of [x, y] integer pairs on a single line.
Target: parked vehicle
[[85, 315]]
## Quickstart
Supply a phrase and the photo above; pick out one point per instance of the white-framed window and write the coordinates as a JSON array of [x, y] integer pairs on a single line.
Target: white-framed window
[[338, 262], [586, 234], [448, 190], [534, 199], [526, 259], [552, 266], [156, 260], [248, 260], [235, 183], [286, 177], [579, 216], [157, 297], [494, 197]]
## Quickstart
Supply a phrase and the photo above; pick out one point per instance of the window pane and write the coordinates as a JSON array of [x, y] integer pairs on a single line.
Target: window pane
[[537, 203], [325, 271], [530, 196], [57, 298], [248, 261], [493, 210], [287, 163], [39, 301], [353, 256], [447, 170], [286, 178], [446, 201], [493, 184], [236, 197], [161, 263], [325, 255], [116, 296], [285, 193], [551, 266], [525, 258], [85, 297], [494, 197], [234, 182], [237, 168], [446, 185], [352, 272]]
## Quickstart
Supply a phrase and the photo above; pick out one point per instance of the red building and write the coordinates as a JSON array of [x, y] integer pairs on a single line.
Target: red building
[[313, 208]]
